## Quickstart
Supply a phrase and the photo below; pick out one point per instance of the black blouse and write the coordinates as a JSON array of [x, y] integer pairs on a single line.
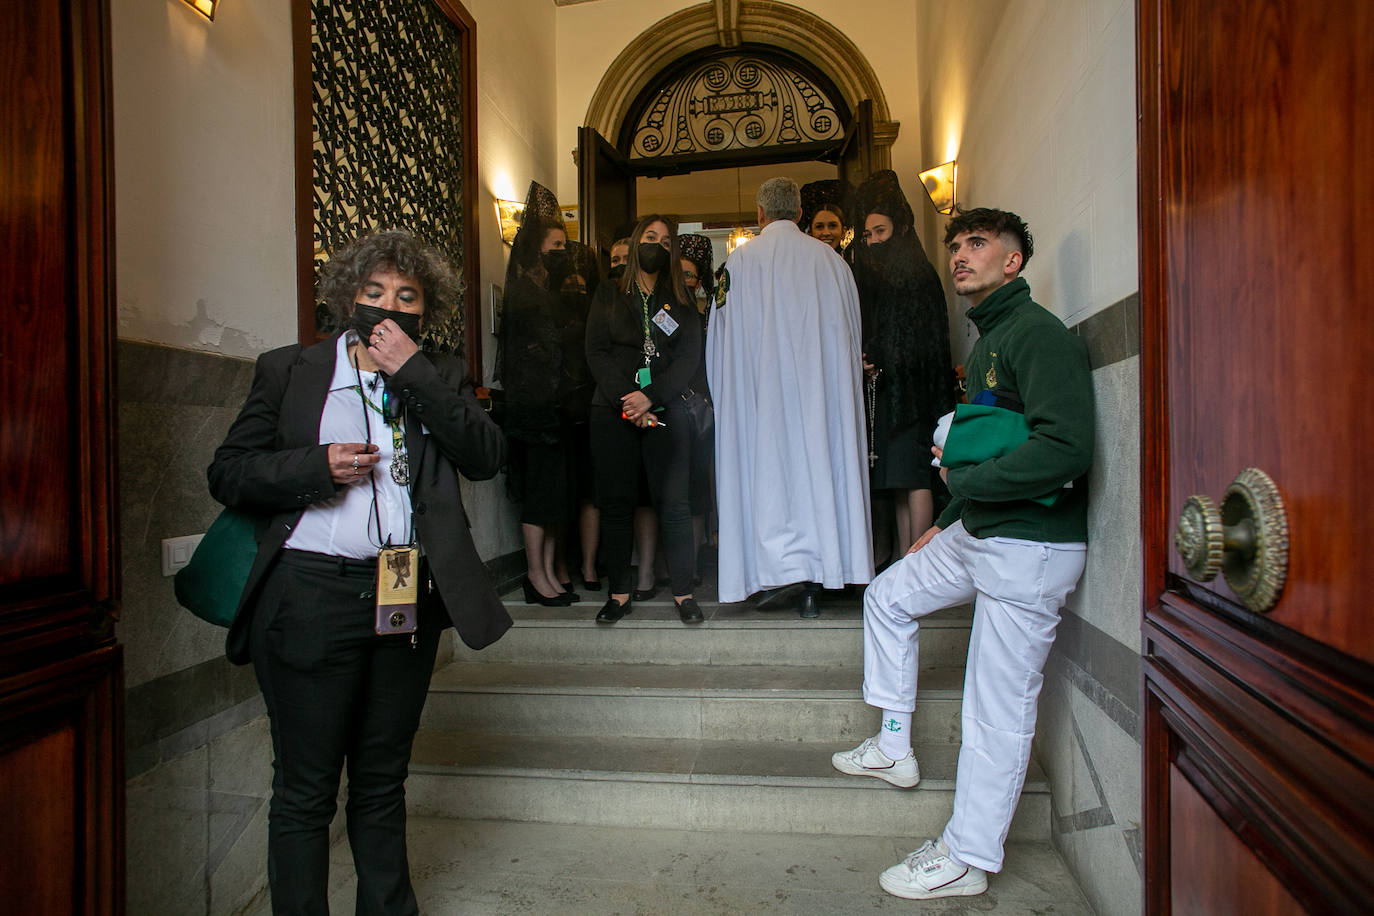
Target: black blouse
[[615, 344]]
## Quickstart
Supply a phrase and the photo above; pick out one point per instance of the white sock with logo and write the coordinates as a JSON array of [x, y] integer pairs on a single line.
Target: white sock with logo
[[894, 734]]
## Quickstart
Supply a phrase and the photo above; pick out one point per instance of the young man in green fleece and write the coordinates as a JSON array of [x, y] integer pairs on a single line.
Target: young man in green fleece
[[1012, 541]]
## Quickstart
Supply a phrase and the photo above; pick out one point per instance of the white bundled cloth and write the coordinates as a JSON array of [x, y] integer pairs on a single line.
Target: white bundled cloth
[[941, 434], [783, 360]]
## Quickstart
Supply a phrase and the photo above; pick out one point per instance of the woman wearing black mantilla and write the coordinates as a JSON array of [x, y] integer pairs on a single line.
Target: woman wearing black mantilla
[[908, 381]]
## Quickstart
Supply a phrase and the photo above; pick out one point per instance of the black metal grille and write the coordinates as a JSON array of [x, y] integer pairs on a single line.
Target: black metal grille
[[735, 102], [387, 118]]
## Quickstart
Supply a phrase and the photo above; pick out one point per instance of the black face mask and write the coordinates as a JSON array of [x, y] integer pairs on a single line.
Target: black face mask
[[555, 259], [367, 317], [616, 272], [652, 257]]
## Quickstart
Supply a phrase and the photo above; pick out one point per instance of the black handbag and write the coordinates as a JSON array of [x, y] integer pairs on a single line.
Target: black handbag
[[701, 415]]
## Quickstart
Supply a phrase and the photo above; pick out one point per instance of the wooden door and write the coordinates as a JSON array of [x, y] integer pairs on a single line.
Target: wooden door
[[1256, 204], [605, 191], [61, 747], [856, 153]]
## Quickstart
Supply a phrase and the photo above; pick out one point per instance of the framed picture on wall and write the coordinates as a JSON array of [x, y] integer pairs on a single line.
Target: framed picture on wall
[[494, 294], [569, 221]]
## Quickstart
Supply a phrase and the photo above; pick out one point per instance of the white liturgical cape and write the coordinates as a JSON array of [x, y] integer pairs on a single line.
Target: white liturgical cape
[[783, 359]]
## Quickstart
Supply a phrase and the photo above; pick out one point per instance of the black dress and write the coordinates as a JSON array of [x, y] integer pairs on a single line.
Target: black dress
[[906, 336]]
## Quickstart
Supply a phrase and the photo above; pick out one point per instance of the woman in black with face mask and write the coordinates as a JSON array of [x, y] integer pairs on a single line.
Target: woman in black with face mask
[[908, 382], [348, 454], [529, 363], [644, 346]]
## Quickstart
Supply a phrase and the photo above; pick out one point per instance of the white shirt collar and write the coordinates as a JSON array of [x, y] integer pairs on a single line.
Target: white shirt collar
[[344, 374]]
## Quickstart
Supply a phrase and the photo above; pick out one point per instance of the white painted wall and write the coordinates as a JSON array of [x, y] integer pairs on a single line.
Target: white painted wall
[[517, 99], [204, 177], [592, 35], [1036, 100]]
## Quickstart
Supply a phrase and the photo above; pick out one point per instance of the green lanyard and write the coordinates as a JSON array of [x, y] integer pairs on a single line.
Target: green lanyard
[[398, 442], [650, 351]]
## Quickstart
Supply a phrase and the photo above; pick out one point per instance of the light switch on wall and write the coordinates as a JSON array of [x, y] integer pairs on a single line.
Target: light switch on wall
[[176, 552]]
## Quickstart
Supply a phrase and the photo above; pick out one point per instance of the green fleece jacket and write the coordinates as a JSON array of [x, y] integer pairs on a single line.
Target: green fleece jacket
[[1024, 352]]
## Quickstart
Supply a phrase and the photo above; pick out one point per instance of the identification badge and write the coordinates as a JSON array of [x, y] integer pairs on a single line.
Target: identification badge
[[665, 322], [398, 590], [642, 377]]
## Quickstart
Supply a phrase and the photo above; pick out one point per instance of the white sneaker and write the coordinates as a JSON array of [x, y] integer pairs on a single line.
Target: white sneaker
[[929, 873], [868, 760]]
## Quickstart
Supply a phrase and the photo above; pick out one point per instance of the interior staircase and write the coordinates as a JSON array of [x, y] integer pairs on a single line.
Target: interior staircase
[[651, 767]]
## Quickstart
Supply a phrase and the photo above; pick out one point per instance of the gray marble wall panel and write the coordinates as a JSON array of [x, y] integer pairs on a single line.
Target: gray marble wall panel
[[174, 408], [1088, 737]]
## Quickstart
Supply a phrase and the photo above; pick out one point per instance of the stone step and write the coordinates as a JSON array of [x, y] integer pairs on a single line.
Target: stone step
[[688, 785], [468, 867], [713, 702], [732, 634]]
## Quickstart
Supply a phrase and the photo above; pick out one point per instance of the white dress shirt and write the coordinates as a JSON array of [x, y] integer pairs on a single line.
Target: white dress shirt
[[344, 525]]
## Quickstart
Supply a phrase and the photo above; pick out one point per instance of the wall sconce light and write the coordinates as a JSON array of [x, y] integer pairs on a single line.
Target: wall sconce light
[[509, 214], [205, 7], [939, 184]]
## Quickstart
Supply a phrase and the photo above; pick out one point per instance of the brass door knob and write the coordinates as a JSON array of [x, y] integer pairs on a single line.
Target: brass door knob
[[1246, 539]]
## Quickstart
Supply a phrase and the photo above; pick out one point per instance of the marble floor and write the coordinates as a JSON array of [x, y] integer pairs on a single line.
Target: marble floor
[[476, 868]]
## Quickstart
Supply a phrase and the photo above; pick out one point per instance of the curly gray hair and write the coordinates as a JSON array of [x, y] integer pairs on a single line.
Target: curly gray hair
[[345, 273]]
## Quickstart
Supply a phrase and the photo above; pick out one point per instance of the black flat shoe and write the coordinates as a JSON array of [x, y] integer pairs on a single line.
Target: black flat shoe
[[592, 585], [613, 610], [568, 592], [643, 594], [689, 611], [532, 596]]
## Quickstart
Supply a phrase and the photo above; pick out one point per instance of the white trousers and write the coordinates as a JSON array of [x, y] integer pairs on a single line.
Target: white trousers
[[1017, 588]]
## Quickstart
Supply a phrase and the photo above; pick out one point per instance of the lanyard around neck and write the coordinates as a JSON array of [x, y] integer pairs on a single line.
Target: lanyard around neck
[[650, 351]]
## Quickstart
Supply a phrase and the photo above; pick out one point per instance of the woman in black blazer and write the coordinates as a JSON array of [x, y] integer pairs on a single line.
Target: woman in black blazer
[[342, 449], [643, 347]]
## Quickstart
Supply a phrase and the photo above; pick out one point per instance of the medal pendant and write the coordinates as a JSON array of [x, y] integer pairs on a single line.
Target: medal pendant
[[649, 349], [400, 469]]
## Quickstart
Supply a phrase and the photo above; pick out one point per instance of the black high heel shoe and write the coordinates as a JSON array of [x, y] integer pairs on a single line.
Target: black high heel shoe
[[532, 596], [568, 592]]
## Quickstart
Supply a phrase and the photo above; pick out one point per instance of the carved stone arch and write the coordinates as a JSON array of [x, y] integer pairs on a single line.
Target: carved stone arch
[[728, 23]]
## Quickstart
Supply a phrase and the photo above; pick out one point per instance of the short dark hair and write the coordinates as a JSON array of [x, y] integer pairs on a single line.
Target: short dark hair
[[996, 222], [348, 269]]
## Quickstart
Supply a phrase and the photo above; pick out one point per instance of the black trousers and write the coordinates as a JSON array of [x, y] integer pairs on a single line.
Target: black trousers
[[336, 692], [619, 450]]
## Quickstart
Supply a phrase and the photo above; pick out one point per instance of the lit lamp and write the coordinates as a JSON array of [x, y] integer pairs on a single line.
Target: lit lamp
[[939, 185], [737, 237], [509, 213], [205, 7]]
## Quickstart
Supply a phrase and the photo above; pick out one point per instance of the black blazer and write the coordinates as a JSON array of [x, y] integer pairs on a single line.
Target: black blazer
[[272, 464], [615, 344]]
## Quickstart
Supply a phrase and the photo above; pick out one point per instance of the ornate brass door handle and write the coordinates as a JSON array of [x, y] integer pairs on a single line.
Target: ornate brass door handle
[[1246, 539]]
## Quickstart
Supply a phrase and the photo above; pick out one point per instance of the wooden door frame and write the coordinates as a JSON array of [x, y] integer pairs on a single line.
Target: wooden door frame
[[305, 179]]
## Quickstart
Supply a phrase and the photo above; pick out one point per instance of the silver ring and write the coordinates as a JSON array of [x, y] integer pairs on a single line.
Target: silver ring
[[355, 462], [381, 332]]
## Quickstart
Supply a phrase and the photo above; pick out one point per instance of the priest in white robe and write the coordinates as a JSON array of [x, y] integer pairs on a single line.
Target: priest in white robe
[[784, 365]]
